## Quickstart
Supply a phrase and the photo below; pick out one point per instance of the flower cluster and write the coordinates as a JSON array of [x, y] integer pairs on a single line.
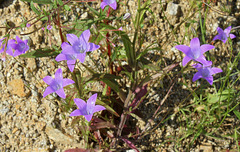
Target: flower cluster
[[195, 52], [77, 49]]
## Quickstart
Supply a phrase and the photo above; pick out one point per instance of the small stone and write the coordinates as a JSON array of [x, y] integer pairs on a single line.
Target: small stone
[[173, 9], [17, 87]]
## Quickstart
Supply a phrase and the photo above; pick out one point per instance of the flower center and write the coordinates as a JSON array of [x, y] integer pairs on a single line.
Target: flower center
[[22, 46], [56, 86], [195, 53], [206, 72], [224, 36], [79, 48]]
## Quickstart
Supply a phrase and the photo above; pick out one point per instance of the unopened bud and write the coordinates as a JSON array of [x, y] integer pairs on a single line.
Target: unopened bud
[[126, 16]]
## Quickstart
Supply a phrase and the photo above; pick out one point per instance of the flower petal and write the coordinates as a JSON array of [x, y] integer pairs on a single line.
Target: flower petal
[[202, 60], [61, 57], [91, 103], [217, 37], [67, 82], [215, 70], [206, 47], [76, 112], [81, 104], [227, 30], [17, 53], [185, 60], [219, 30], [196, 76], [48, 91], [88, 117], [209, 79], [58, 75], [48, 80], [81, 57], [86, 35], [183, 48], [72, 38], [103, 5], [194, 43], [61, 93], [113, 5], [98, 108], [232, 36], [67, 48], [93, 47]]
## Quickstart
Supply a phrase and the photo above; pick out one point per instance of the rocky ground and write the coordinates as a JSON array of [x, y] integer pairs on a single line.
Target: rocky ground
[[30, 122]]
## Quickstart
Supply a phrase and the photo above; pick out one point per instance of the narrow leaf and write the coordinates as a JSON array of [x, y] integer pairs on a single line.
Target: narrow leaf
[[40, 53], [39, 1]]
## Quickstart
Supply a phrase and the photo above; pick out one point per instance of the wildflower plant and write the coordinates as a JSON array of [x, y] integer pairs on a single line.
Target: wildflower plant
[[124, 85]]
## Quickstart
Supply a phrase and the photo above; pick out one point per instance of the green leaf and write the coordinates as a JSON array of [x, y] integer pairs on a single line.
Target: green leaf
[[237, 113], [93, 10], [213, 98], [34, 8], [39, 1], [66, 7], [41, 53], [60, 2]]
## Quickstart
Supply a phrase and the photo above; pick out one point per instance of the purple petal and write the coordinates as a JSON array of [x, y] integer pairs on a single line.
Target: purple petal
[[48, 80], [196, 76], [48, 91], [67, 48], [215, 70], [76, 112], [61, 93], [209, 79], [217, 37], [186, 59], [219, 30], [88, 117], [72, 38], [17, 53], [81, 104], [206, 47], [81, 57], [91, 103], [232, 36], [183, 48], [202, 60], [93, 47], [103, 5], [224, 41], [71, 64], [98, 108], [227, 30], [86, 35], [18, 39], [194, 43], [113, 5], [67, 82], [61, 57], [58, 75]]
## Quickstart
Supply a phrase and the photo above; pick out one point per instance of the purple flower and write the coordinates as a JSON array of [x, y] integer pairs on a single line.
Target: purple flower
[[205, 72], [28, 25], [195, 51], [87, 109], [49, 27], [21, 47], [77, 49], [56, 84], [223, 35], [111, 3], [9, 47]]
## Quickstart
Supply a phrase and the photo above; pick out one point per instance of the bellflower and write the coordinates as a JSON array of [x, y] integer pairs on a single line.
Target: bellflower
[[87, 109], [195, 51], [205, 72], [111, 3], [224, 34], [77, 49], [21, 47], [56, 84]]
